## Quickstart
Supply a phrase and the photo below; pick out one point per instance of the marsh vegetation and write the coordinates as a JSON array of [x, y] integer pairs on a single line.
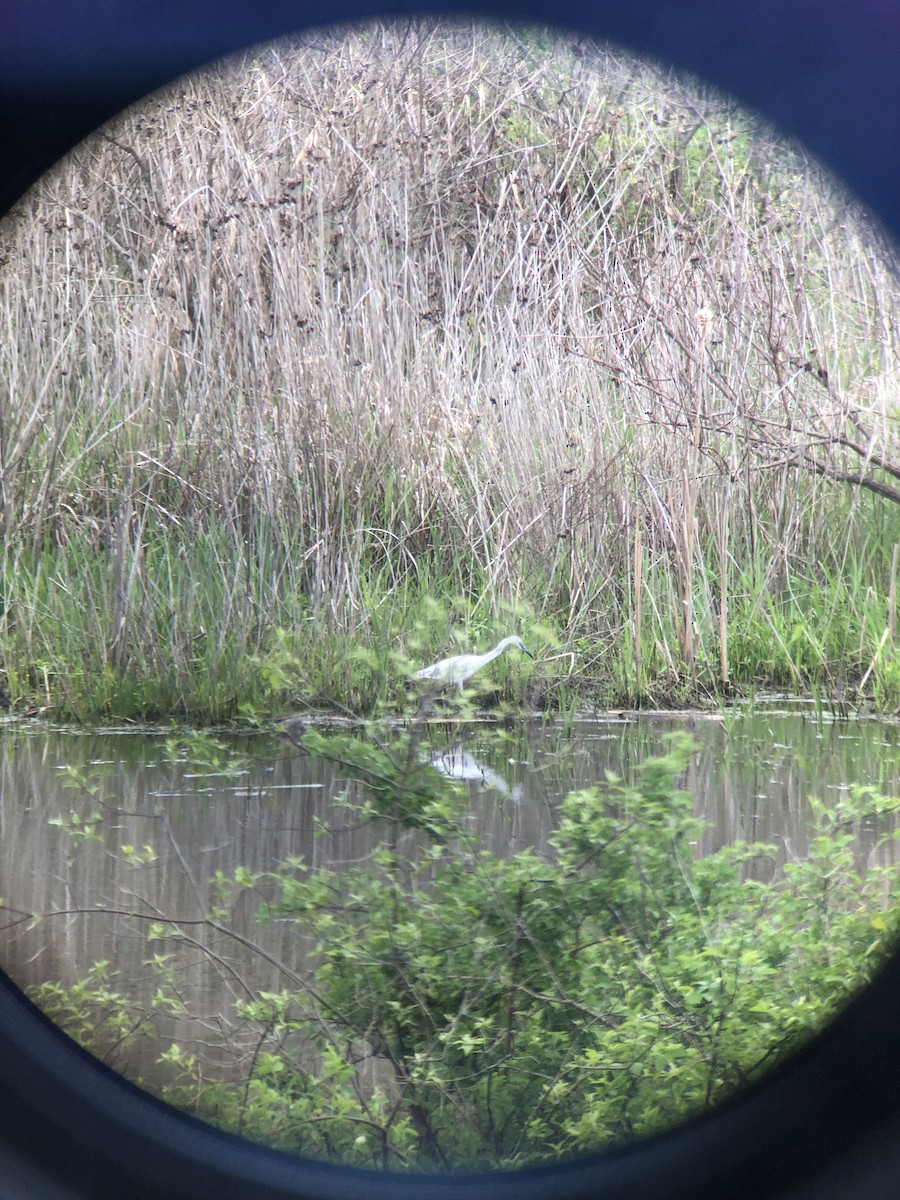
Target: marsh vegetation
[[370, 349]]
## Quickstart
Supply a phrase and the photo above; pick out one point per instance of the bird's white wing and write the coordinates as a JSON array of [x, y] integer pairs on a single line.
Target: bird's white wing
[[437, 670]]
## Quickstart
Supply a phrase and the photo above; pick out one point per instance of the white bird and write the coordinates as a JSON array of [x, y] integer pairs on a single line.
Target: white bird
[[460, 668]]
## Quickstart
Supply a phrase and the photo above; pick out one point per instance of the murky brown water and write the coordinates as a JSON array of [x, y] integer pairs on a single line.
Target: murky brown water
[[72, 803]]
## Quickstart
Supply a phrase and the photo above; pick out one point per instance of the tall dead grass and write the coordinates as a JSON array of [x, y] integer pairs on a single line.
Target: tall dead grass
[[555, 323]]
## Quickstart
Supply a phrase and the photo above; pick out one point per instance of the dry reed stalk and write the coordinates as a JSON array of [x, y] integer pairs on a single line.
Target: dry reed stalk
[[723, 593], [638, 561]]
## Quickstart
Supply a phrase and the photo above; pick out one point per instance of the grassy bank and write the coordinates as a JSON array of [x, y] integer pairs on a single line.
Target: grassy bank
[[210, 630], [361, 349]]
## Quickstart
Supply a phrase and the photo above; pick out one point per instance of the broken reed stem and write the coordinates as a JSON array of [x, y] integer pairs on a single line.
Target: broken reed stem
[[871, 667]]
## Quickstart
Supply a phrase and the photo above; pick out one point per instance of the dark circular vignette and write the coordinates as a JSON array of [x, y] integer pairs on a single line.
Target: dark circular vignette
[[827, 1126]]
